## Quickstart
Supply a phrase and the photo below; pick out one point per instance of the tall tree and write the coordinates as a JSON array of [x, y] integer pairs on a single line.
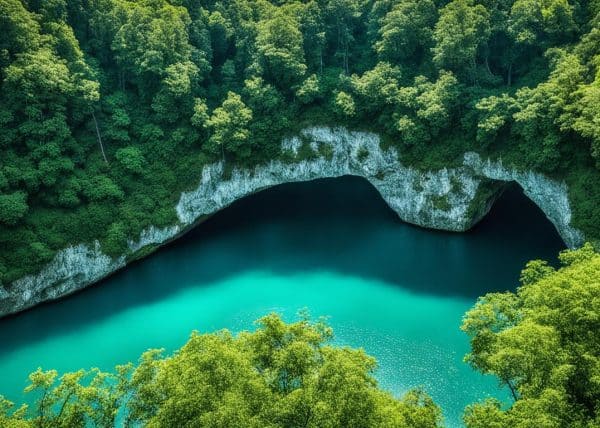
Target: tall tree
[[153, 37], [406, 30], [312, 26], [229, 128], [279, 44], [281, 375], [342, 15], [463, 28]]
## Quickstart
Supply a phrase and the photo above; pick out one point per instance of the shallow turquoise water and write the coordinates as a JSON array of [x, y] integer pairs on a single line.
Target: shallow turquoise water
[[331, 246]]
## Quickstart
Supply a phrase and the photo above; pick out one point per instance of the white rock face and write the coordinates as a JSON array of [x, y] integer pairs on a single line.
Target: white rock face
[[153, 236], [439, 199], [448, 199], [72, 269], [551, 196]]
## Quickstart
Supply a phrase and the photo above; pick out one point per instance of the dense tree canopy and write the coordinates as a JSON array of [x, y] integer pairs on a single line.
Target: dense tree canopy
[[110, 108], [135, 96], [542, 342], [281, 375]]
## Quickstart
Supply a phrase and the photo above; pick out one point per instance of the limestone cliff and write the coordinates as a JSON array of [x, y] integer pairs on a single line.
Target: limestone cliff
[[450, 199]]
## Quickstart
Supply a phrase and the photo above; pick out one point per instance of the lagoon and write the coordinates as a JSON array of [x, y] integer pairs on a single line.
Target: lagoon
[[330, 246]]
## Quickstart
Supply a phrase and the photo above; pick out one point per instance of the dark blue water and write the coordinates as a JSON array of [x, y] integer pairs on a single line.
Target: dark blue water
[[332, 246]]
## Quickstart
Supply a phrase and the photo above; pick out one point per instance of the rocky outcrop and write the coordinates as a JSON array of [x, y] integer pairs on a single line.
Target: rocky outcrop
[[551, 196], [154, 236], [450, 199], [438, 199], [72, 269]]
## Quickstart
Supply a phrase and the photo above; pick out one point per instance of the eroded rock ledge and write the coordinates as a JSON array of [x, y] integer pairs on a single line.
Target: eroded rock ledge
[[451, 199]]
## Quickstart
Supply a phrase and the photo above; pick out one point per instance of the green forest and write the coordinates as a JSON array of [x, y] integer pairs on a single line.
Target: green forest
[[540, 342], [110, 108]]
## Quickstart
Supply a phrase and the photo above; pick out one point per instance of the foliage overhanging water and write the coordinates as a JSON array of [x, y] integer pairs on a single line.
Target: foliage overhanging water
[[331, 246]]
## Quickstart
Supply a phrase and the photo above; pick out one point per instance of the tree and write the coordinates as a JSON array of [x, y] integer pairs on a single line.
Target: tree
[[463, 28], [526, 22], [312, 26], [118, 121], [436, 101], [200, 116], [13, 207], [153, 37], [542, 112], [406, 30], [20, 32], [101, 187], [587, 120], [280, 375], [174, 99], [575, 98], [309, 90], [425, 109], [12, 418], [131, 158], [495, 115], [269, 113], [76, 400], [115, 243], [559, 22], [279, 44], [377, 92], [343, 104], [342, 14], [540, 343], [378, 87], [199, 35], [220, 34], [229, 128], [39, 88]]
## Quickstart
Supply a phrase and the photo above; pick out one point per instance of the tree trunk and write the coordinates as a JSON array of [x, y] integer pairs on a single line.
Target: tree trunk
[[513, 391], [64, 404], [487, 66], [99, 137], [346, 66], [509, 75], [42, 410], [321, 62]]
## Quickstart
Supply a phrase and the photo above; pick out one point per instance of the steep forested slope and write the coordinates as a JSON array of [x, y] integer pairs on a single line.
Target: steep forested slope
[[109, 108]]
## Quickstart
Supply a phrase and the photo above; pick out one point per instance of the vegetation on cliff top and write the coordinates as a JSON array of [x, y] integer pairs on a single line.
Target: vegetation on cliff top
[[109, 108]]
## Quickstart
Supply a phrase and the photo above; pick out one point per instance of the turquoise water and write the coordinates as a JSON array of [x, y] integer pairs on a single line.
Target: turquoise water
[[331, 246]]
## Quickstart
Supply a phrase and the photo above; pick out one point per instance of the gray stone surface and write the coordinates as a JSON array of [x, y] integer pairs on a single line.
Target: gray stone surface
[[442, 199]]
